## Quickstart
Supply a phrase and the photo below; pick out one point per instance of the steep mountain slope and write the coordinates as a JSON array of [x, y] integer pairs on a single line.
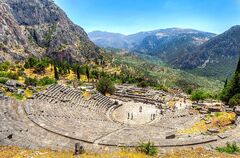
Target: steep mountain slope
[[49, 31], [162, 43], [218, 56], [170, 44], [13, 42], [108, 40], [116, 40]]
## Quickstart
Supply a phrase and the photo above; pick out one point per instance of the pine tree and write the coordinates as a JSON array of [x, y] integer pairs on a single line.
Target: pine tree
[[232, 87], [78, 73], [238, 66], [87, 73], [56, 72], [226, 82]]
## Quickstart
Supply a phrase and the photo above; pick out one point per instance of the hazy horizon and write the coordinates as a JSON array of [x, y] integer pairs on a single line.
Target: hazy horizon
[[129, 17]]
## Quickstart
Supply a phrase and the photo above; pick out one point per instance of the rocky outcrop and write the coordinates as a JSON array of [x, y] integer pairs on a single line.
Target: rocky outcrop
[[237, 110], [13, 42], [46, 29]]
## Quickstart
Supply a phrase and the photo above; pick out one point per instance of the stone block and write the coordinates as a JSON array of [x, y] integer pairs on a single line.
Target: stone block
[[213, 130], [170, 135]]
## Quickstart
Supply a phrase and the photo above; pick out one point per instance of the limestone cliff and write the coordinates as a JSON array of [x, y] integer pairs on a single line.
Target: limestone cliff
[[39, 27]]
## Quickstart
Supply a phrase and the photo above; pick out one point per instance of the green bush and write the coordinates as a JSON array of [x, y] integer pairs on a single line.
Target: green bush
[[161, 87], [3, 80], [5, 66], [46, 81], [199, 95], [229, 148], [10, 75], [21, 73], [217, 114], [31, 81], [17, 96], [235, 100], [30, 62], [147, 148], [13, 76], [142, 84], [105, 85]]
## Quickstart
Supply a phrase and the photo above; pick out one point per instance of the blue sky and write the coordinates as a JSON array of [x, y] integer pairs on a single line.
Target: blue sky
[[131, 16]]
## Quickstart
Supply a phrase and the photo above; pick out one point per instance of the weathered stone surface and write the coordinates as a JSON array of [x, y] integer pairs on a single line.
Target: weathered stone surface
[[214, 109], [62, 124], [237, 110], [1, 94], [229, 109], [170, 135], [222, 136], [203, 112], [208, 122], [213, 130], [13, 83], [20, 92]]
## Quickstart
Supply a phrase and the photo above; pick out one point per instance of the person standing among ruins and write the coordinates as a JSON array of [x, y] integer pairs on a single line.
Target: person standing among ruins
[[140, 109]]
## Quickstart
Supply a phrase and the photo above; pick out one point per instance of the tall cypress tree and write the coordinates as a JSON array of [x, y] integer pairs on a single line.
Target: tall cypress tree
[[238, 66], [88, 73], [56, 72], [78, 73], [232, 87], [226, 82]]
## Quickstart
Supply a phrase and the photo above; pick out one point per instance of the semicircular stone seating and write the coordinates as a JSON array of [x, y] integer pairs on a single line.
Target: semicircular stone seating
[[60, 116]]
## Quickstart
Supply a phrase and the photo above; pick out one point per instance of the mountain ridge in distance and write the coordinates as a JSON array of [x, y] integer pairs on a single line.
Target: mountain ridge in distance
[[216, 57], [129, 42]]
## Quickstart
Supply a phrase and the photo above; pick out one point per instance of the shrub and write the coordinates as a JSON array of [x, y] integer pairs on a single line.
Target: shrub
[[161, 87], [105, 85], [229, 148], [189, 91], [17, 96], [5, 66], [142, 84], [46, 81], [235, 100], [13, 76], [199, 95], [217, 114], [10, 75], [20, 73], [3, 80], [40, 68], [31, 62], [31, 81], [147, 148]]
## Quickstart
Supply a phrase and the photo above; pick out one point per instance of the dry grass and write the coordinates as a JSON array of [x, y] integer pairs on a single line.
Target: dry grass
[[86, 95], [15, 152], [197, 153], [28, 93], [48, 73], [171, 104], [220, 120]]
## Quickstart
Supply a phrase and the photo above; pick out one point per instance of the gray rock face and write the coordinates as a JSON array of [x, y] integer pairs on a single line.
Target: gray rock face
[[35, 12], [237, 110], [213, 130], [47, 30], [13, 42]]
